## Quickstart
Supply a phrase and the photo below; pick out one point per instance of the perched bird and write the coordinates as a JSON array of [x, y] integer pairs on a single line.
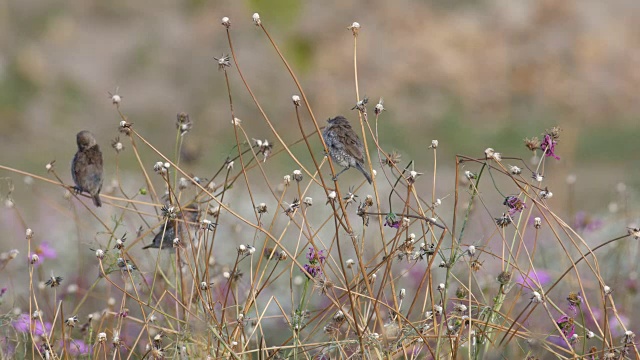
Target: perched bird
[[344, 145], [183, 221], [86, 167]]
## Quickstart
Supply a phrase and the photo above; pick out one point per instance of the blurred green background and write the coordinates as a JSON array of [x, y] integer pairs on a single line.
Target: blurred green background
[[472, 74]]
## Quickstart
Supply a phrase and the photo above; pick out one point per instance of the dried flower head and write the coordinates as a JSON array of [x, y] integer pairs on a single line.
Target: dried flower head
[[361, 105], [537, 223], [226, 22], [504, 277], [379, 107], [256, 19], [546, 194], [355, 28], [183, 123], [392, 159], [492, 154], [515, 170], [54, 281], [532, 144], [308, 201], [536, 297], [223, 61], [261, 208], [117, 145], [296, 100], [503, 221]]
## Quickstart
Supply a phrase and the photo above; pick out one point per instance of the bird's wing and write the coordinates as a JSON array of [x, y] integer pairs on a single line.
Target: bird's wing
[[352, 143]]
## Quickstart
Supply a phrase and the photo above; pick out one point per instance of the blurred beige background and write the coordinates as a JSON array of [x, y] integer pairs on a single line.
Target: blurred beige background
[[472, 74]]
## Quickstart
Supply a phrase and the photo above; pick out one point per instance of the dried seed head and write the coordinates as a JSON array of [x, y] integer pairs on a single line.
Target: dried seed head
[[379, 107], [536, 297], [355, 28], [546, 194], [537, 223], [437, 309], [226, 22], [117, 145], [183, 123], [469, 175], [515, 170], [296, 100], [29, 234], [434, 144], [308, 201], [471, 250], [350, 263], [256, 19], [504, 277], [261, 208], [287, 180], [297, 175], [224, 61], [532, 144], [492, 154], [102, 337]]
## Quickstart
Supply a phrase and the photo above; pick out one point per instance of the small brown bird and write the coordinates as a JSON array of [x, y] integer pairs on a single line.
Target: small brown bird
[[86, 167], [183, 221], [344, 145]]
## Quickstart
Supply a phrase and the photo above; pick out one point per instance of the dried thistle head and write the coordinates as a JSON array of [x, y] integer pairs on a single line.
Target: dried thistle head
[[392, 159]]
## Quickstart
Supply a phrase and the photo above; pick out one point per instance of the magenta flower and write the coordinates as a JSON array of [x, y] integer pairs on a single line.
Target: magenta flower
[[586, 223], [534, 279], [25, 324], [548, 145], [77, 347], [565, 323], [44, 251]]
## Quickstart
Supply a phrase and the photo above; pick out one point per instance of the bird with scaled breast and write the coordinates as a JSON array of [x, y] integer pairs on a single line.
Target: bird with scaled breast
[[184, 220], [344, 146], [86, 167]]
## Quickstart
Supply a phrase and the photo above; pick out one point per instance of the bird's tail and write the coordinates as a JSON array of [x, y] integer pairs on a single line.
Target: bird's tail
[[148, 246], [96, 200], [364, 172]]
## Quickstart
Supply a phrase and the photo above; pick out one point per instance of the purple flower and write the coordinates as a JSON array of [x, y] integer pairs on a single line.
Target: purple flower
[[548, 145], [392, 220], [316, 259], [514, 204], [585, 222], [574, 300], [77, 347], [565, 323], [534, 278], [24, 324], [44, 251]]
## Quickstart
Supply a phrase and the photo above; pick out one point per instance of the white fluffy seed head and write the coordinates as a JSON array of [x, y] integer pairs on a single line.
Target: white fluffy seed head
[[256, 19]]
